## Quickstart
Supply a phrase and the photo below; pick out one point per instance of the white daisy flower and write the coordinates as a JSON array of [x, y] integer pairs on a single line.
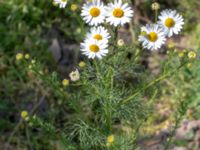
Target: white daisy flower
[[152, 36], [98, 33], [171, 21], [94, 48], [93, 12], [61, 3], [118, 13]]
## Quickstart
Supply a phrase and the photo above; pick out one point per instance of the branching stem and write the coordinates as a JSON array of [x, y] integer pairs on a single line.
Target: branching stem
[[162, 77]]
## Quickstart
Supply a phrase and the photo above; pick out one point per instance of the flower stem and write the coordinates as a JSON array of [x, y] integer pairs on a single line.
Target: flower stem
[[115, 36], [156, 15], [109, 108], [162, 77]]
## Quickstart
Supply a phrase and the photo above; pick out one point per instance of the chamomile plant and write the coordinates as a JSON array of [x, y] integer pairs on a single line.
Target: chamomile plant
[[109, 89], [103, 100], [111, 86]]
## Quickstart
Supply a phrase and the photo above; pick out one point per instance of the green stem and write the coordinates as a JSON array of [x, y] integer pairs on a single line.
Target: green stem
[[98, 74], [108, 117], [114, 49], [115, 35], [166, 146], [108, 110], [109, 106], [20, 122], [132, 33], [178, 117], [114, 43], [28, 138], [156, 15], [129, 98]]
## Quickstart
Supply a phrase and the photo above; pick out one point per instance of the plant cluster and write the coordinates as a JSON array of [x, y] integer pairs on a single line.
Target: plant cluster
[[104, 102]]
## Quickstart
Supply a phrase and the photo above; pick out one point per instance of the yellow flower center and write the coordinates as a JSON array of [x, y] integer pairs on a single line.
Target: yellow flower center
[[94, 12], [169, 22], [94, 48], [118, 13], [98, 37], [152, 36]]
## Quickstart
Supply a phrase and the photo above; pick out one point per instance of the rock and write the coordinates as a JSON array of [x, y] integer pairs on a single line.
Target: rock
[[55, 49]]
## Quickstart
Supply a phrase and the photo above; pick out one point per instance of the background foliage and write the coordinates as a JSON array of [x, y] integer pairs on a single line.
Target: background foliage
[[83, 114]]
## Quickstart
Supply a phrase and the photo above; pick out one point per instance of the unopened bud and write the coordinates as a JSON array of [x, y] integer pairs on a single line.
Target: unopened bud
[[155, 6]]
